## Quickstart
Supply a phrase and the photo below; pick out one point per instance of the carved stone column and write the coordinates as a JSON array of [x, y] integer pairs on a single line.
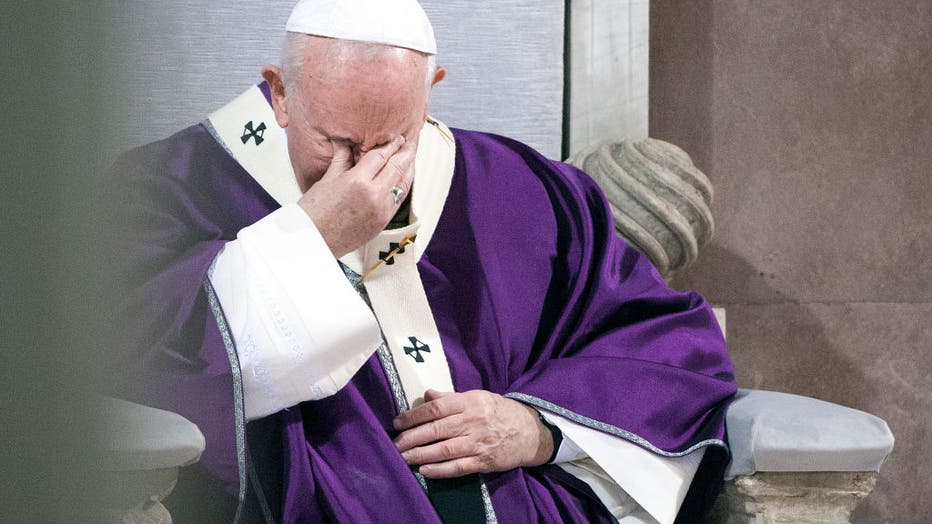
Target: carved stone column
[[659, 199]]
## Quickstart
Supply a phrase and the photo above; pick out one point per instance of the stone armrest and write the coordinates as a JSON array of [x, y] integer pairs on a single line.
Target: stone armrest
[[143, 450], [780, 432], [144, 438]]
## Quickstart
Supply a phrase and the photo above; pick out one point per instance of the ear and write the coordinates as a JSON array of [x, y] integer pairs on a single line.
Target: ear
[[439, 74], [273, 76]]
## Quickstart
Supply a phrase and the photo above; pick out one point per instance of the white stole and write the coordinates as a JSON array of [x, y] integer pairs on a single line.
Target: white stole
[[247, 128]]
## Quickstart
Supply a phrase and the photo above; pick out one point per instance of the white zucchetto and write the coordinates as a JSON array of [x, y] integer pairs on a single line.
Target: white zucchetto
[[399, 23]]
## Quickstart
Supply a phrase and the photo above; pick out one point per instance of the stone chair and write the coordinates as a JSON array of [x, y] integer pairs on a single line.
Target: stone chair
[[798, 459], [794, 459], [143, 450]]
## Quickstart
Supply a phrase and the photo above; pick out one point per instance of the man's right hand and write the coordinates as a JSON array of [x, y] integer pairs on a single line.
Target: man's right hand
[[351, 204]]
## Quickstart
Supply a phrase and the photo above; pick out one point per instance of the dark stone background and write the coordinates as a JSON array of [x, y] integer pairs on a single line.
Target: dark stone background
[[813, 120]]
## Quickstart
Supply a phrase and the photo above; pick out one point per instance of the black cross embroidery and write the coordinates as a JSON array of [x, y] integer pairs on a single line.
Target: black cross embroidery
[[389, 260], [257, 133], [417, 349]]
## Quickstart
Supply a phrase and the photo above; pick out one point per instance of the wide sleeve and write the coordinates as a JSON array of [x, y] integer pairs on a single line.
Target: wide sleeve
[[300, 329], [627, 478], [166, 347], [170, 208]]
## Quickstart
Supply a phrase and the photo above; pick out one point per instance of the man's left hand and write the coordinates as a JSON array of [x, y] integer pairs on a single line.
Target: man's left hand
[[456, 434]]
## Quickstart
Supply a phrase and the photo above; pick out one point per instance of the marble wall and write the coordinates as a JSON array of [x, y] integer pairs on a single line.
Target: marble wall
[[179, 60], [606, 72], [504, 61], [813, 120]]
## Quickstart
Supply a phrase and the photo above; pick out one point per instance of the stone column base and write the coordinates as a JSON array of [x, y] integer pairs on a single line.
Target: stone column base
[[798, 498], [135, 497]]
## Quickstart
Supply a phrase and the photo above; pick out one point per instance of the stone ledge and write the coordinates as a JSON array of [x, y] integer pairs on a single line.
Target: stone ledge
[[804, 498]]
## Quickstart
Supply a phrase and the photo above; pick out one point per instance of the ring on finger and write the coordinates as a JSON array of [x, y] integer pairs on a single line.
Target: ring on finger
[[398, 194]]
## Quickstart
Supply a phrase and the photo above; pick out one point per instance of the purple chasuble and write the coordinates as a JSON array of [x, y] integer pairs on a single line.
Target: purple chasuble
[[534, 296]]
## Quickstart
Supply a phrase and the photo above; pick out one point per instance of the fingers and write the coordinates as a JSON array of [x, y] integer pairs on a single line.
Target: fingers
[[433, 394], [435, 409], [388, 166], [406, 179], [485, 432], [454, 468], [375, 159], [448, 427], [342, 160], [442, 451], [399, 170]]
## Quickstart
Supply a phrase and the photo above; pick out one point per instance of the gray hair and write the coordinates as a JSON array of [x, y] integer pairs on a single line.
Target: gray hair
[[293, 58]]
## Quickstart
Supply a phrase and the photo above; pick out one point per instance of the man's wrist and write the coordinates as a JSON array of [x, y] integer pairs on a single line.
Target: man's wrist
[[556, 437]]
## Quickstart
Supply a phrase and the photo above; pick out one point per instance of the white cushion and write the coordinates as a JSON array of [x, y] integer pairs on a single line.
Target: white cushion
[[138, 438], [770, 431]]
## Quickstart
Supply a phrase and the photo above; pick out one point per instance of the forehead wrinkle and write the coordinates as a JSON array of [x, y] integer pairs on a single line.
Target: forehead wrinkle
[[347, 90], [333, 60], [358, 119]]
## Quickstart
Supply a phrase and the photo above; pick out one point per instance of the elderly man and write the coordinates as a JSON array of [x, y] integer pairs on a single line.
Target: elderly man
[[375, 318]]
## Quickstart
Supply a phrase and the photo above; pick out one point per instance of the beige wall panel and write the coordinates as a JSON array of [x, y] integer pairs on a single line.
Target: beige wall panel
[[813, 120]]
